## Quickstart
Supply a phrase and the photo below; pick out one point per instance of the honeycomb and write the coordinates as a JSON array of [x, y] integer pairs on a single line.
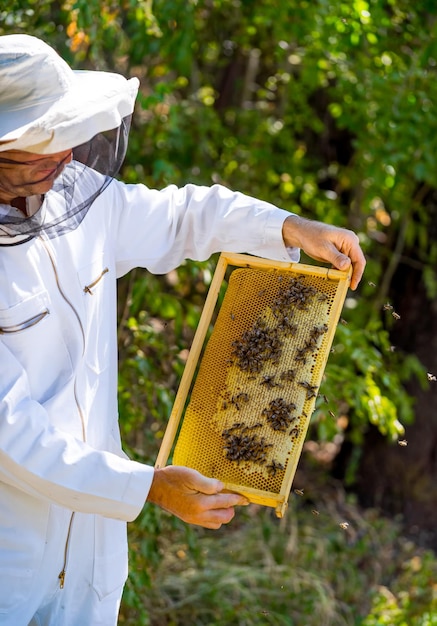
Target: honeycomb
[[258, 379]]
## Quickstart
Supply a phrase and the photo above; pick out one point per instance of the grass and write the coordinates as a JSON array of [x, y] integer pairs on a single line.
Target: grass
[[326, 563]]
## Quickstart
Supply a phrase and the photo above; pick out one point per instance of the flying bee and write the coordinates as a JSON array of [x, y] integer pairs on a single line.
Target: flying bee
[[371, 284], [431, 377], [387, 306], [298, 492], [344, 525], [403, 442], [315, 512], [396, 315]]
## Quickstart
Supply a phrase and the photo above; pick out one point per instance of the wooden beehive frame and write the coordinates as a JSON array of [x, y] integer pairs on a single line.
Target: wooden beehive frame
[[276, 497]]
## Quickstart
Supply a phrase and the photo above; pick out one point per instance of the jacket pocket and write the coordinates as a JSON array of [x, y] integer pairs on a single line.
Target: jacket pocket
[[110, 556], [24, 315], [31, 331]]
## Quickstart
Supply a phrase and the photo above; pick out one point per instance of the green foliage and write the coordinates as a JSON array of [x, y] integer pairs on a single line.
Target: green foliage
[[362, 373], [342, 73]]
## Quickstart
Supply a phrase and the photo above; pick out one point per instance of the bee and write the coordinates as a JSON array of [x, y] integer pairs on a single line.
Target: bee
[[431, 377], [310, 389], [317, 331], [371, 284], [387, 307], [315, 512], [396, 315], [242, 396], [268, 381], [344, 525], [300, 356], [342, 321], [288, 376], [332, 414], [274, 467], [298, 492], [403, 442]]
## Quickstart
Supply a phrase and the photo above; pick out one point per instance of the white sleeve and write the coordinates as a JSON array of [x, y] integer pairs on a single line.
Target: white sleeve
[[159, 229], [50, 464]]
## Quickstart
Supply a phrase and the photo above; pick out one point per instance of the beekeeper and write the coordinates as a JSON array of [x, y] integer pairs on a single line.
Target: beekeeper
[[68, 230]]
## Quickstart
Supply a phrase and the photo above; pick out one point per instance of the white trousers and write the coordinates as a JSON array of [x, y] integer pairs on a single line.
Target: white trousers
[[81, 602]]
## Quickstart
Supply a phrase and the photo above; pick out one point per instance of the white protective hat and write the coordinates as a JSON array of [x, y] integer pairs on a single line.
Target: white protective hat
[[46, 107]]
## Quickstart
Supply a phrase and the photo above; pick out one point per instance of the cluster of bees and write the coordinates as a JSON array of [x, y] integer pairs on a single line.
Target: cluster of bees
[[256, 346], [243, 445], [262, 345], [278, 414]]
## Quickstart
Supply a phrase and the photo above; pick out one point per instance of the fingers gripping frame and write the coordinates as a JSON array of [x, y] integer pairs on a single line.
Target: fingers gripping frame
[[258, 378]]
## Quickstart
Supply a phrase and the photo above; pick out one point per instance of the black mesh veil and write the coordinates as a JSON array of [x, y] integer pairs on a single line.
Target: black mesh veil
[[94, 165]]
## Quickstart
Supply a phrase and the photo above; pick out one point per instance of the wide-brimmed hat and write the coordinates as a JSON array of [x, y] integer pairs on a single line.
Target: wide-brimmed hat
[[46, 107]]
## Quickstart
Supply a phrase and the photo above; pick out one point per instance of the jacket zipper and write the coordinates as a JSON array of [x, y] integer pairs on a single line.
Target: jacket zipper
[[88, 288], [62, 573], [4, 330]]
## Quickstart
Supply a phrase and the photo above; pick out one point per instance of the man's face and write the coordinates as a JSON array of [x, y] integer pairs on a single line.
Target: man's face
[[25, 174]]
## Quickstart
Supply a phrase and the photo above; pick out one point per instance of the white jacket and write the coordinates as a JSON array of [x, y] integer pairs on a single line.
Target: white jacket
[[59, 435]]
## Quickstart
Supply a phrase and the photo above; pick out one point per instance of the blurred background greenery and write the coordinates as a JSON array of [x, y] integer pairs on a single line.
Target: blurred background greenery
[[327, 109]]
